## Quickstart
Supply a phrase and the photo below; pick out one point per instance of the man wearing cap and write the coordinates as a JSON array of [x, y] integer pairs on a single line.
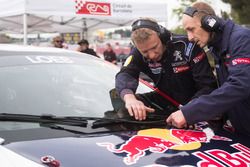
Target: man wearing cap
[[178, 68], [84, 48]]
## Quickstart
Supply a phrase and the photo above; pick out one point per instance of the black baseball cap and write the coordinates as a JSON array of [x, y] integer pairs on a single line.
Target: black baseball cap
[[83, 41]]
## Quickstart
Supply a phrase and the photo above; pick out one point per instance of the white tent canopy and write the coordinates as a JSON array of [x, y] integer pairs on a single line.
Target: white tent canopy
[[43, 16]]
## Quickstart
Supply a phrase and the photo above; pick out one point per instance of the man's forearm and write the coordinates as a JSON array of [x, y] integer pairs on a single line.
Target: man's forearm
[[125, 92]]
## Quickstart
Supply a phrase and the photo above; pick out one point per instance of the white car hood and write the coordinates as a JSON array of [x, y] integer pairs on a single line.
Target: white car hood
[[9, 158]]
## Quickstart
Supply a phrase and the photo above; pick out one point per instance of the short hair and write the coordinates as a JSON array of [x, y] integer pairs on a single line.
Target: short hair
[[142, 34], [83, 41], [203, 9], [57, 38]]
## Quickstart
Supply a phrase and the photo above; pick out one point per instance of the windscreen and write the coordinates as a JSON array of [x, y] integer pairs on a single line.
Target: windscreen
[[62, 89]]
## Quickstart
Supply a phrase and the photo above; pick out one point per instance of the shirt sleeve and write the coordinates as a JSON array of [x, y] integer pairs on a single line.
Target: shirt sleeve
[[127, 79], [232, 92]]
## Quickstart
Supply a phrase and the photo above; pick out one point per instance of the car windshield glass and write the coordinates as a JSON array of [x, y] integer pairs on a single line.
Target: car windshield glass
[[57, 85], [60, 89]]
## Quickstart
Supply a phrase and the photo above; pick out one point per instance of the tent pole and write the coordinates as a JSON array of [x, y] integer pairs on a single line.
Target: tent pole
[[84, 29], [25, 29]]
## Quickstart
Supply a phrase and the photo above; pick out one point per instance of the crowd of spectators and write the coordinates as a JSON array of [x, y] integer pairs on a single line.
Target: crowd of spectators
[[112, 52]]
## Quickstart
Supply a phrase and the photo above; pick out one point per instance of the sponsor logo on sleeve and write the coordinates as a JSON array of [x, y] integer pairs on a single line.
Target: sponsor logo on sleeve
[[180, 69], [241, 61], [199, 57]]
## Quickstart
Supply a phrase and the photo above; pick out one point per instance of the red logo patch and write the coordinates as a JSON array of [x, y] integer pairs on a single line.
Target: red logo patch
[[241, 61], [199, 58], [180, 69], [92, 8]]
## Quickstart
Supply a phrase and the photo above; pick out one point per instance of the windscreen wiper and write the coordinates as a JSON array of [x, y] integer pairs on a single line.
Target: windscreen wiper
[[81, 121], [151, 120], [44, 119]]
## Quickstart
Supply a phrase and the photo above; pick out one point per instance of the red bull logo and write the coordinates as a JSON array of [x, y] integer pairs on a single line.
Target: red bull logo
[[159, 141], [188, 136], [217, 157], [137, 146]]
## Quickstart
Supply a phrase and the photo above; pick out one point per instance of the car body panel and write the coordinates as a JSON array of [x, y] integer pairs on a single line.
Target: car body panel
[[139, 148], [9, 158]]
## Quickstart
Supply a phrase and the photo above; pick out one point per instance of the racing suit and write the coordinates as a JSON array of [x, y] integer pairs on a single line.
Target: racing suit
[[183, 73], [231, 49]]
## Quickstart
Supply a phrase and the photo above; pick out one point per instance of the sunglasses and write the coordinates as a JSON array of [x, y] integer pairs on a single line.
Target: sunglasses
[[59, 41]]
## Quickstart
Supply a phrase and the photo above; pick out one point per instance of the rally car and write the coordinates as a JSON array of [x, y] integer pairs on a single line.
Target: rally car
[[60, 108]]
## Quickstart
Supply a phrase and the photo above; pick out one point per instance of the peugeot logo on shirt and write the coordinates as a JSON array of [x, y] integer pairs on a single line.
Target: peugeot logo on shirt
[[177, 55]]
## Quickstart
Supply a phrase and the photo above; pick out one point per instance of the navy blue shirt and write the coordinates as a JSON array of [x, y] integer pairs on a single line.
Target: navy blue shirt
[[183, 72], [231, 48]]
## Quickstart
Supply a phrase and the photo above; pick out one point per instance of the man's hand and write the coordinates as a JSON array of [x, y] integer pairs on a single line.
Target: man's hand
[[177, 119], [136, 108]]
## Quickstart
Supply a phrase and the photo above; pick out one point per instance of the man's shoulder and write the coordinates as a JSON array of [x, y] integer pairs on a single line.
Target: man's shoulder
[[236, 36], [189, 48], [89, 50], [240, 32], [179, 38], [135, 53], [135, 57], [182, 41]]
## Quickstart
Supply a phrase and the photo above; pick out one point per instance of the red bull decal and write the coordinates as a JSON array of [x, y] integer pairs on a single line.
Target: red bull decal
[[92, 8], [188, 136], [137, 146], [218, 158], [159, 141]]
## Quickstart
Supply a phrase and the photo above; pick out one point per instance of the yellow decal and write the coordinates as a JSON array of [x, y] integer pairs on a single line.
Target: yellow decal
[[166, 135], [128, 60]]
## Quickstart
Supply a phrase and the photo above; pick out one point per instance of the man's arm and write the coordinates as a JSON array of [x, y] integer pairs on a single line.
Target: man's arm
[[177, 119], [126, 84], [234, 92]]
